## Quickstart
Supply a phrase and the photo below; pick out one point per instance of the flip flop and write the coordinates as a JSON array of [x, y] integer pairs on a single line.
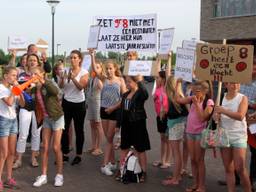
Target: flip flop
[[169, 182], [97, 152], [164, 166], [157, 164]]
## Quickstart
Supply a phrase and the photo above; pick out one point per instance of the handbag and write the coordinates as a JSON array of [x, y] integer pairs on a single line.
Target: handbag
[[214, 137]]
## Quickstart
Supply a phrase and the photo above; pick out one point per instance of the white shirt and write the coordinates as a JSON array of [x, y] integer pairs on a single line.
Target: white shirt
[[5, 110], [71, 92]]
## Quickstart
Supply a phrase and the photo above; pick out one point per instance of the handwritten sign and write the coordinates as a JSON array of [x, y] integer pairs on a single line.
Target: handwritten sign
[[138, 67], [226, 63], [93, 37], [86, 64], [17, 43], [186, 44], [128, 33], [184, 64], [165, 41]]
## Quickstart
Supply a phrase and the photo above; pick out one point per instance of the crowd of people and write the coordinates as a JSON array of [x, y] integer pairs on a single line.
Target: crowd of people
[[113, 102]]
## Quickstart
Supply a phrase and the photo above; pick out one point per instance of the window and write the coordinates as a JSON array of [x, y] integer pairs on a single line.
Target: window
[[226, 8]]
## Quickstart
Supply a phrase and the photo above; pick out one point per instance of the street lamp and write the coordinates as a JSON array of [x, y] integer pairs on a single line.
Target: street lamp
[[53, 4], [58, 45]]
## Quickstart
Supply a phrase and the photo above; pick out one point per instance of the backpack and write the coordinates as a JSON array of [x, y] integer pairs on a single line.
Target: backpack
[[131, 170]]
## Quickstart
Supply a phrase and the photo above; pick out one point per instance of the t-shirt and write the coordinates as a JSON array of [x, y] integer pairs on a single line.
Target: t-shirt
[[194, 124], [71, 92], [5, 110], [160, 100]]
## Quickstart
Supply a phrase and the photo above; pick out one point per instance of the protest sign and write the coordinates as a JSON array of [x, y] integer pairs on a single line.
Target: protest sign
[[186, 44], [138, 67], [184, 64], [165, 41], [226, 63], [93, 37], [17, 43], [128, 33], [86, 64]]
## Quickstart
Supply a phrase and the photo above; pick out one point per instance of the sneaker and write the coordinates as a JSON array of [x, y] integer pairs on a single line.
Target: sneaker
[[17, 164], [111, 166], [59, 180], [76, 160], [106, 170], [1, 186], [11, 184], [65, 158], [40, 180]]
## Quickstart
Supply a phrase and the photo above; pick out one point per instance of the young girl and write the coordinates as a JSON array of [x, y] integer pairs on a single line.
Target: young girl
[[93, 102], [113, 88], [176, 115], [231, 116], [8, 125], [199, 113], [46, 93]]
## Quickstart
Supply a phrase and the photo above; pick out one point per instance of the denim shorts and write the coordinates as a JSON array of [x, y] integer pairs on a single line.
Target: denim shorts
[[8, 127], [54, 125], [194, 137]]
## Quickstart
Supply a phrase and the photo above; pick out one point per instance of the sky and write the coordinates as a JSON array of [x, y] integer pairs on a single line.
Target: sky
[[32, 19]]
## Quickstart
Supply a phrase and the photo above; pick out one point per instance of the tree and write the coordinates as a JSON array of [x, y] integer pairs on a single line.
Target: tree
[[4, 59]]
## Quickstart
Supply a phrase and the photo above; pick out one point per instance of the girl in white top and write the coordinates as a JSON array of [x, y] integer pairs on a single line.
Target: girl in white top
[[232, 118], [73, 105], [8, 124]]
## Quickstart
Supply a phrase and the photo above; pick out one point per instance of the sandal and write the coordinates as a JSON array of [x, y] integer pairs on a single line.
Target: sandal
[[34, 162], [90, 150], [157, 164], [164, 166], [143, 177], [97, 152]]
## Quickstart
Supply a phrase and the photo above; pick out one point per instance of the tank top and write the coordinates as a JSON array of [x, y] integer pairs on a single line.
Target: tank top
[[110, 94], [71, 92], [236, 130]]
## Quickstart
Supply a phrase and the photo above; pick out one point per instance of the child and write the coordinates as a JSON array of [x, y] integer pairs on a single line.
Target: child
[[232, 118], [46, 94], [8, 125], [199, 113]]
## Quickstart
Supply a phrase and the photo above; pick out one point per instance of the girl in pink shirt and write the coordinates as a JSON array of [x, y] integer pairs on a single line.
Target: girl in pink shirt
[[161, 108], [199, 114]]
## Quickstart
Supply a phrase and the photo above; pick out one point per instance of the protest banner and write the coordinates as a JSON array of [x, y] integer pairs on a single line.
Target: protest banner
[[18, 43], [138, 67], [165, 41], [93, 37], [189, 44], [128, 33], [184, 64], [86, 64], [226, 63]]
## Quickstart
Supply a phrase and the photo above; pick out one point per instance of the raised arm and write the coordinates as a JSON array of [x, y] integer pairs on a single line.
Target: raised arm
[[169, 65]]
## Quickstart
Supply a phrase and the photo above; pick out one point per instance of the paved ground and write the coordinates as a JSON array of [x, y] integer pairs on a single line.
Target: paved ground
[[87, 176]]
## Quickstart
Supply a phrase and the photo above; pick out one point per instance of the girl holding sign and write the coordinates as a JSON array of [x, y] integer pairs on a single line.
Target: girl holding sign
[[231, 115], [113, 88]]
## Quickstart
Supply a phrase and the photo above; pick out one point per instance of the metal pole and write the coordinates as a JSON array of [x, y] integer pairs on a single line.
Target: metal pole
[[53, 59]]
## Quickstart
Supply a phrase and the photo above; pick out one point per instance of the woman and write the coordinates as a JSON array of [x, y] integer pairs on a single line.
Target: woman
[[93, 103], [113, 87], [133, 122], [231, 115], [26, 116], [74, 105]]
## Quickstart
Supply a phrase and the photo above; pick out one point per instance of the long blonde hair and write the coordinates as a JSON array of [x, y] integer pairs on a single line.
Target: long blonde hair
[[172, 88]]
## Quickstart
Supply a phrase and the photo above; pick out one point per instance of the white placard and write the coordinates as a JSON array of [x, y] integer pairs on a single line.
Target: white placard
[[186, 44], [86, 64], [93, 37], [17, 43], [128, 33], [140, 68], [252, 128], [184, 64], [165, 41]]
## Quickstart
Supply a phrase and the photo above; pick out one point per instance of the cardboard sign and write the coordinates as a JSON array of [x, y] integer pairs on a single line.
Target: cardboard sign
[[186, 44], [17, 43], [93, 37], [165, 41], [86, 64], [138, 67], [128, 33], [226, 63], [185, 59]]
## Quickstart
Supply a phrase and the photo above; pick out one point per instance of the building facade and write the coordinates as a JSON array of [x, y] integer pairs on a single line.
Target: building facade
[[234, 20]]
